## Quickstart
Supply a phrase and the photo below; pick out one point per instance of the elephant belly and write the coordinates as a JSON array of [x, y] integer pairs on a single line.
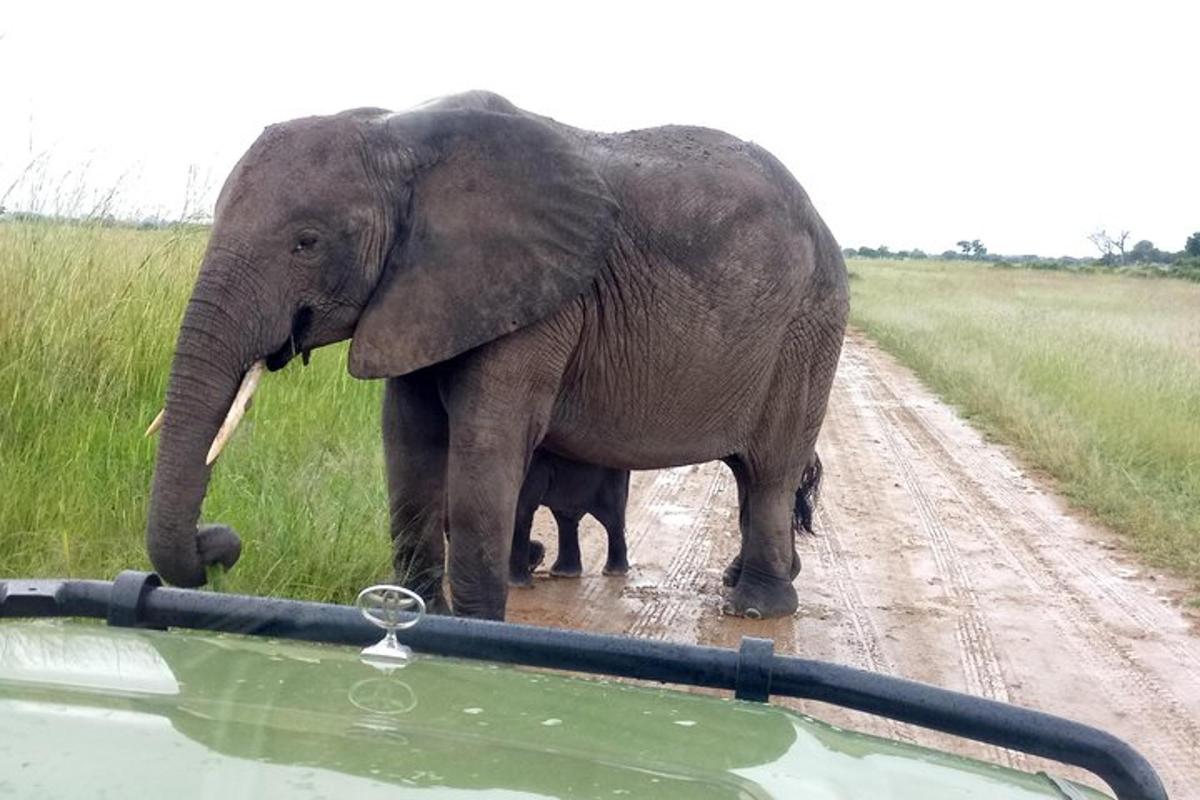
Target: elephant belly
[[663, 392]]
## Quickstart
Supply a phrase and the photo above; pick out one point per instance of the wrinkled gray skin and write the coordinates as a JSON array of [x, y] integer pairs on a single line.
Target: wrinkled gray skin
[[570, 490], [803, 508], [638, 300]]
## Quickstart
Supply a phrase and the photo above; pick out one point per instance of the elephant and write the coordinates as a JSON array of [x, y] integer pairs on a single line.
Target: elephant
[[635, 300], [570, 489], [803, 508]]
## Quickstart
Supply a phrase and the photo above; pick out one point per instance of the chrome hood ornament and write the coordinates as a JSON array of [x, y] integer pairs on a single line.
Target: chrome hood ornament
[[392, 608]]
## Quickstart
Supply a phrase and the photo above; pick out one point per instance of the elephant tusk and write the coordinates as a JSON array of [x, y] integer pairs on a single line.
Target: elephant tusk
[[158, 421], [237, 409]]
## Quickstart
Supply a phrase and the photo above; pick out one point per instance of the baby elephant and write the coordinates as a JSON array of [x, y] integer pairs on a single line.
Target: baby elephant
[[569, 489]]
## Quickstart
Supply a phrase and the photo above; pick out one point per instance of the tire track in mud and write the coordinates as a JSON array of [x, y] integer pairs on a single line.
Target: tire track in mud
[[995, 508], [999, 495], [639, 522], [684, 575], [935, 560], [669, 533], [866, 645], [976, 646]]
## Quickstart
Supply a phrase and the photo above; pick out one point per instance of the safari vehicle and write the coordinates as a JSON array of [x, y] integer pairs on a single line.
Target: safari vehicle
[[276, 703]]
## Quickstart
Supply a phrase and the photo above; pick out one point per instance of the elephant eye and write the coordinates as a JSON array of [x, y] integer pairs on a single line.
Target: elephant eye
[[305, 242]]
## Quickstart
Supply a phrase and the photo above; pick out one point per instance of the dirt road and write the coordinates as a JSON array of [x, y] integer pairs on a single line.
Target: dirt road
[[937, 559]]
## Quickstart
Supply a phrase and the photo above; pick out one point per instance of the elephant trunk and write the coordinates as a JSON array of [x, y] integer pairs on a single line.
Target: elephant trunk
[[212, 354]]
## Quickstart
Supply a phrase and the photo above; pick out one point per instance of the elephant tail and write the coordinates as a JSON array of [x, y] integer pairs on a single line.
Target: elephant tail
[[806, 497]]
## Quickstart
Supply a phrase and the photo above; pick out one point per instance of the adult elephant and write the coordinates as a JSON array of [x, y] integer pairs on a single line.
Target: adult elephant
[[638, 300]]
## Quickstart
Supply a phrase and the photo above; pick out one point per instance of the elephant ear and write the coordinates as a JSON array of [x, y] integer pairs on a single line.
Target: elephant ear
[[507, 222]]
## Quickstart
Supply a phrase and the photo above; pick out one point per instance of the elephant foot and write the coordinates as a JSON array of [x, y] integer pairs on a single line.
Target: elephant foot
[[561, 570], [761, 596], [521, 575], [439, 605], [616, 568], [733, 572], [520, 581], [481, 604], [430, 590], [537, 554]]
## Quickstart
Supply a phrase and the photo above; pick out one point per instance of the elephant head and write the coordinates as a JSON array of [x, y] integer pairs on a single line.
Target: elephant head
[[420, 235]]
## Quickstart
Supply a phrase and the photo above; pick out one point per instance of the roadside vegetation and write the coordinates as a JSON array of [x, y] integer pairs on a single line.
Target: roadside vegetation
[[1093, 378], [88, 319], [1115, 257]]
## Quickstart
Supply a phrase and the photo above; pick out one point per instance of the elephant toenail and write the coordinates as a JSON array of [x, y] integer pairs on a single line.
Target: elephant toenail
[[753, 613]]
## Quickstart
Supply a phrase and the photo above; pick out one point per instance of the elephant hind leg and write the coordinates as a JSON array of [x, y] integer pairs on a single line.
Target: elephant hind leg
[[740, 474], [527, 555], [524, 555], [764, 570], [569, 563], [617, 561]]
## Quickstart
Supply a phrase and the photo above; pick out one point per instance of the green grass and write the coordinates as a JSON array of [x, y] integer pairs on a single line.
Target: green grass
[[88, 319], [1094, 379]]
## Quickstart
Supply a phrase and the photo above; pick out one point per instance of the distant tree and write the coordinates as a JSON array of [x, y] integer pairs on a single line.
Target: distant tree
[[868, 252], [1111, 246], [972, 248], [1192, 248], [1099, 238], [950, 255], [849, 252], [1120, 240], [917, 253], [883, 251], [1144, 252]]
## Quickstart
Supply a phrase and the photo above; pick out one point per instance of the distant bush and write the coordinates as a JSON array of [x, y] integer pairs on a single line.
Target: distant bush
[[883, 251], [1187, 268], [1183, 268]]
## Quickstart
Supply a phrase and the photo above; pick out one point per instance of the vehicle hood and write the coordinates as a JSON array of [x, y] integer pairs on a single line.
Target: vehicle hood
[[87, 710]]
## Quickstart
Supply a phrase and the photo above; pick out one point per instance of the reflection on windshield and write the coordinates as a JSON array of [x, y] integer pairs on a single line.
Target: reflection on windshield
[[243, 717], [48, 655], [436, 723]]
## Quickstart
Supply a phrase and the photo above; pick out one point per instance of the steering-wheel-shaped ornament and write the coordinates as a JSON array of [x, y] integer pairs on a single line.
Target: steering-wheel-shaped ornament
[[392, 608]]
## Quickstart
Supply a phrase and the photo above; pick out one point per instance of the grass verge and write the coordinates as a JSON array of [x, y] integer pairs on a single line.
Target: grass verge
[[1094, 379], [88, 319]]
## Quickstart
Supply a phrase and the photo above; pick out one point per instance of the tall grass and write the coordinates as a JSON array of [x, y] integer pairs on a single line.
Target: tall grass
[[88, 319], [1094, 379]]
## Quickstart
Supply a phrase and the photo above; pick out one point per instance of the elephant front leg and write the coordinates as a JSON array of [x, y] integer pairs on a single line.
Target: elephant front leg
[[486, 467], [415, 436], [482, 509]]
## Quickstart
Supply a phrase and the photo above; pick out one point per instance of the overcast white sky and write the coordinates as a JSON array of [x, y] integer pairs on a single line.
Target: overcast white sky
[[911, 124]]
